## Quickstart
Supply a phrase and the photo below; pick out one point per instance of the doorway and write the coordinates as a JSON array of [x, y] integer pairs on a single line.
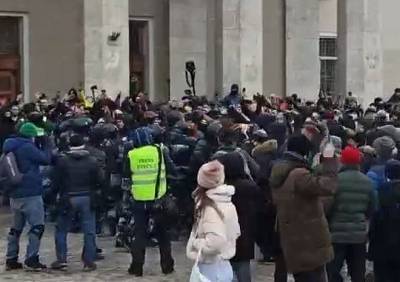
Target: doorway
[[10, 58], [140, 56]]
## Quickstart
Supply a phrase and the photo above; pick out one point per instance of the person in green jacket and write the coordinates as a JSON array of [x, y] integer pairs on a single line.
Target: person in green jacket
[[354, 202]]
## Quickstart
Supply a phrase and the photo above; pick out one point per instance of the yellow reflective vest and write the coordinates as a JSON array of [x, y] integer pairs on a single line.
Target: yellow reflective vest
[[147, 166]]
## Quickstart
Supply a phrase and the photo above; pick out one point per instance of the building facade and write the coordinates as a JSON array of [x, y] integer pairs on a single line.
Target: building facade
[[274, 46]]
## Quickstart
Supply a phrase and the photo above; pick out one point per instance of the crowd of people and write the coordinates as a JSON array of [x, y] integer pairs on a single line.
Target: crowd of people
[[314, 184]]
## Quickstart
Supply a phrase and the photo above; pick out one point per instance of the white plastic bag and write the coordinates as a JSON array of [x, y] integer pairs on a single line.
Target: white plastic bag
[[196, 275]]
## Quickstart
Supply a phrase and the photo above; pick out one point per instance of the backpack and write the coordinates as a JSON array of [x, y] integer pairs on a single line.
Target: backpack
[[9, 171]]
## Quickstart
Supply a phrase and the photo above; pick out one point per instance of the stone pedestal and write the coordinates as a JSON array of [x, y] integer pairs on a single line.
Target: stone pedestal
[[243, 45], [359, 49], [188, 42], [302, 48], [107, 60]]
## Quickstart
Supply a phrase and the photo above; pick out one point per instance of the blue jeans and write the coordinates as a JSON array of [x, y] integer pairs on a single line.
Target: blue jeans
[[88, 225], [31, 210], [220, 271]]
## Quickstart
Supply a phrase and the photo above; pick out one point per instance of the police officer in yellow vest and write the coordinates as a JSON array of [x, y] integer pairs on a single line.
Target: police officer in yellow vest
[[148, 167]]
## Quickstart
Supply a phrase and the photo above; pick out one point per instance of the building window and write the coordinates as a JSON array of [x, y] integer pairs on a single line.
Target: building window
[[328, 57], [9, 34]]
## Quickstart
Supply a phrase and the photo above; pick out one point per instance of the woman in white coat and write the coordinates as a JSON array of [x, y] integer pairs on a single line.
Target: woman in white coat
[[216, 225]]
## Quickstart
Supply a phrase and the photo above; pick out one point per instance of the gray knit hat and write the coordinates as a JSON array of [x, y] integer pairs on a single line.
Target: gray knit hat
[[391, 131], [384, 147]]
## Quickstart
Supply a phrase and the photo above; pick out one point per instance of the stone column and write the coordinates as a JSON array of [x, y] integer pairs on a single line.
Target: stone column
[[302, 48], [231, 44], [243, 45], [106, 60], [188, 41], [359, 49], [274, 57]]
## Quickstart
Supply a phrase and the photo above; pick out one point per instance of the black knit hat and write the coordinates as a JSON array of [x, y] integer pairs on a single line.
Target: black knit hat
[[299, 144]]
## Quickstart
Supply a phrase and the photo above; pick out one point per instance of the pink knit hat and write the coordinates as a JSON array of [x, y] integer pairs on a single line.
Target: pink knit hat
[[211, 175]]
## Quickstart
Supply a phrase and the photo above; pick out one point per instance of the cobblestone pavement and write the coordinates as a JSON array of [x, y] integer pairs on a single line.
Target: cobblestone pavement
[[113, 268]]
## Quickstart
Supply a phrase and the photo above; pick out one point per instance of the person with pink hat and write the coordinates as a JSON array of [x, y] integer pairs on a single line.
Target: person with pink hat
[[216, 225]]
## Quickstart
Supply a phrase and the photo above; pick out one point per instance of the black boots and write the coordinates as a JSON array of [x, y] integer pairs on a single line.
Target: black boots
[[33, 264], [13, 264], [136, 270]]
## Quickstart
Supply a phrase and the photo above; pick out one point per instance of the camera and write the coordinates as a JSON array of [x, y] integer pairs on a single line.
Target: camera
[[190, 66]]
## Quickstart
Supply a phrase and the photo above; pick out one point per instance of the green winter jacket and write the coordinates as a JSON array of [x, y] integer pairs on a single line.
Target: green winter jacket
[[354, 201]]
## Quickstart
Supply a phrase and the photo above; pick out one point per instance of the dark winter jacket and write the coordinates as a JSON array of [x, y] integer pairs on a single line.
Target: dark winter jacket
[[181, 145], [354, 202], [77, 173], [201, 154], [303, 228], [278, 131], [29, 159], [247, 200], [99, 156], [384, 233], [232, 100], [337, 130], [264, 154], [7, 129], [252, 168]]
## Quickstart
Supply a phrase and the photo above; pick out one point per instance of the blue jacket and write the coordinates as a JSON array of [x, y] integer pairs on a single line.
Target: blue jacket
[[377, 174], [29, 159]]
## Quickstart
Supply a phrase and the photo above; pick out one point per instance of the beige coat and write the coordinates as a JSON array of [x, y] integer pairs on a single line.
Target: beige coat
[[216, 236]]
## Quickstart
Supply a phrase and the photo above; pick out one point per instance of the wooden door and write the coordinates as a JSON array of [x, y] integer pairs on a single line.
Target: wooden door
[[9, 77], [9, 57], [139, 50]]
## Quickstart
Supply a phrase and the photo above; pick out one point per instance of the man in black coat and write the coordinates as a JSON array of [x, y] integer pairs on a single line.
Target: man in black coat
[[78, 183], [384, 234]]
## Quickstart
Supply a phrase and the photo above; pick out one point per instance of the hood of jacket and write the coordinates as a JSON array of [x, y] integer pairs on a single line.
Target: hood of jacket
[[283, 167], [221, 194], [270, 146], [13, 144]]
